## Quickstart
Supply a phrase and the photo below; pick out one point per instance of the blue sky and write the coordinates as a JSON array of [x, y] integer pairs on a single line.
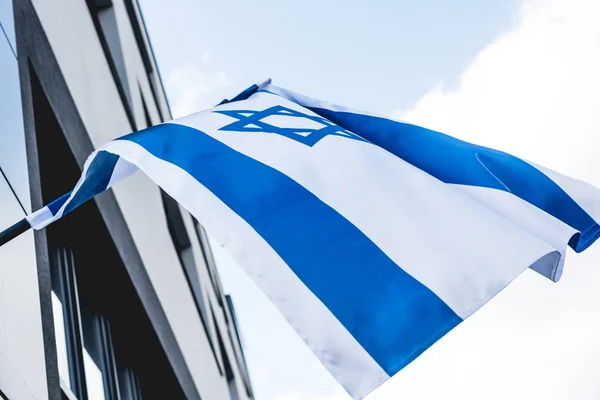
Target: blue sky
[[380, 55], [518, 75]]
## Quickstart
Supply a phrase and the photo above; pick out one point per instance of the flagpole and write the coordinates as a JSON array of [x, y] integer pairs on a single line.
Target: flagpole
[[12, 232]]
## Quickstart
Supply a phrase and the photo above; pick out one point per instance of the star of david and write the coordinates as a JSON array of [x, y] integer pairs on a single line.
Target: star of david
[[294, 123]]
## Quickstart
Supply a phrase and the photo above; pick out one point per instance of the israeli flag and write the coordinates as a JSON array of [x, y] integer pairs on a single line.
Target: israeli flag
[[373, 237]]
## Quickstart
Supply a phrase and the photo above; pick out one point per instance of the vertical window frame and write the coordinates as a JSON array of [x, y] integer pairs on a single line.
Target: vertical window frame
[[66, 281], [210, 265], [95, 7], [182, 243]]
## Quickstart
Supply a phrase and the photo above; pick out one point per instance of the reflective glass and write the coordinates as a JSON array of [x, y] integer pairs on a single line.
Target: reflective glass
[[13, 158], [7, 21], [61, 340], [93, 378]]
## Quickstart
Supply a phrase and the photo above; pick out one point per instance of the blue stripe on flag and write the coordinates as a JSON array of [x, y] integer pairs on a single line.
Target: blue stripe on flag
[[392, 315], [454, 161], [58, 203], [96, 180]]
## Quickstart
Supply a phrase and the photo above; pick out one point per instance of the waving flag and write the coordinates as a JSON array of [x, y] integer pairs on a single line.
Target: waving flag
[[373, 237]]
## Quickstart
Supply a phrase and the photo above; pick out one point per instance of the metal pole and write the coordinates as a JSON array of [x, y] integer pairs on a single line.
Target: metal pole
[[10, 233]]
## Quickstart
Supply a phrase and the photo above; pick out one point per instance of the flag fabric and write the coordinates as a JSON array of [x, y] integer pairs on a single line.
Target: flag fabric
[[373, 237]]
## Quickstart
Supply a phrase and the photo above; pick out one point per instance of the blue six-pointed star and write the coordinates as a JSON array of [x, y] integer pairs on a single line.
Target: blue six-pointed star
[[254, 121]]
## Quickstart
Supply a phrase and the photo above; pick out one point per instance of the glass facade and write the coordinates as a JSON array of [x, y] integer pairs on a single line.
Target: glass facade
[[60, 335], [6, 20], [22, 370], [93, 378], [13, 161]]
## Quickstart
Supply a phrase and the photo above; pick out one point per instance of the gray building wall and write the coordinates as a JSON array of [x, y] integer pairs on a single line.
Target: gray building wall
[[60, 43]]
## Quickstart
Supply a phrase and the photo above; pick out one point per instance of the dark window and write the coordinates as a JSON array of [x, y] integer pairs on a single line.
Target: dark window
[[7, 24], [147, 117], [210, 264], [89, 366], [183, 245], [98, 357], [13, 159], [240, 357], [139, 35], [105, 22], [229, 375], [67, 322], [130, 385], [145, 49], [85, 351], [106, 346]]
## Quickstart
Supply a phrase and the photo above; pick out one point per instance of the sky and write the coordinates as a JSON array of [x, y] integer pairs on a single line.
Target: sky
[[519, 75]]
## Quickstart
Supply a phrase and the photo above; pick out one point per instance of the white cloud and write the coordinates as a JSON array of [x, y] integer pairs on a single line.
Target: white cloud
[[534, 92], [195, 87]]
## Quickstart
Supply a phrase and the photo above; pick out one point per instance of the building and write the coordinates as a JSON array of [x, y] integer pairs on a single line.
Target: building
[[120, 299]]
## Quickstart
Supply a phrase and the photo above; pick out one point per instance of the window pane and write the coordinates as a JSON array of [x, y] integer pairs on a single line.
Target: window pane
[[206, 244], [13, 159], [108, 24], [7, 21], [94, 352], [61, 340], [129, 387], [93, 378], [105, 21]]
